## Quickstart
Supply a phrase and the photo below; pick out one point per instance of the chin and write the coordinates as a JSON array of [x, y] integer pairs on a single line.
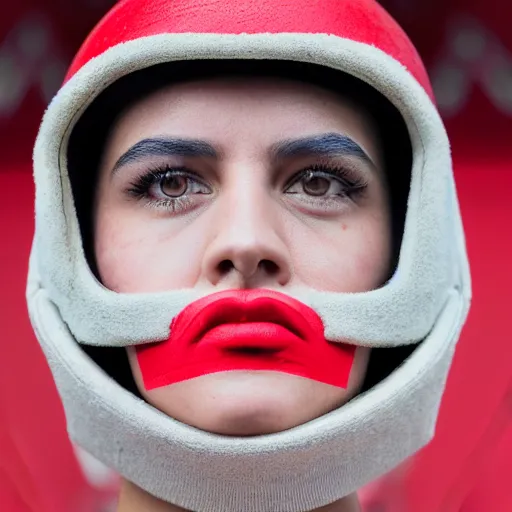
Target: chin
[[247, 403]]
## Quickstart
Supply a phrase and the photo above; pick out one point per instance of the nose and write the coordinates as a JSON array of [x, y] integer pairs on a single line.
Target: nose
[[248, 249]]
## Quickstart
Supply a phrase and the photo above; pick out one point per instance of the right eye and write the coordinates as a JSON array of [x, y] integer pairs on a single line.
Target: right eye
[[168, 183], [177, 184], [174, 190]]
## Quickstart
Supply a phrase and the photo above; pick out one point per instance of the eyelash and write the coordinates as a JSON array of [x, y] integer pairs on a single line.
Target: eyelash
[[143, 183], [352, 182]]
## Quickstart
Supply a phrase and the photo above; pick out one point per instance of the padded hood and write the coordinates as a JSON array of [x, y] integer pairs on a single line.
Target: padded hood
[[425, 304]]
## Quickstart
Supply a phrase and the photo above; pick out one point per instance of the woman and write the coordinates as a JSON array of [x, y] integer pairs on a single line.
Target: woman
[[249, 270]]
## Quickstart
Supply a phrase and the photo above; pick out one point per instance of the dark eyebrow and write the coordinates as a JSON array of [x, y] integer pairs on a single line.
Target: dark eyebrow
[[164, 146], [326, 144]]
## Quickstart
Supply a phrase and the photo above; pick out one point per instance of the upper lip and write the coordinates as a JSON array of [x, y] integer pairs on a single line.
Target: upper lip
[[242, 306]]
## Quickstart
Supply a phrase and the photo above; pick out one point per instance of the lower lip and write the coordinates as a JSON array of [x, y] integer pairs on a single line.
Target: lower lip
[[252, 335]]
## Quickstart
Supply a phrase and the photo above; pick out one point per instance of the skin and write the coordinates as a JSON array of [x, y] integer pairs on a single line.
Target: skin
[[312, 233]]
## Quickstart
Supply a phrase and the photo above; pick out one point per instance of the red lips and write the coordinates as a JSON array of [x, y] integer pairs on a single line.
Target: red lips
[[245, 330]]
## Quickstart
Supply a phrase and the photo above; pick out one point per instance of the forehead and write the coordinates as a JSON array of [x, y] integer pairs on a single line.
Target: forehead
[[234, 108]]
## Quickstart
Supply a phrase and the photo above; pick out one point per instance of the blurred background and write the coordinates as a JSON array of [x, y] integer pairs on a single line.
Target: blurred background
[[467, 46]]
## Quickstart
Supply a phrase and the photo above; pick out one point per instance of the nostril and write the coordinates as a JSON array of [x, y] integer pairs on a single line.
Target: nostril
[[247, 268], [269, 267], [225, 267]]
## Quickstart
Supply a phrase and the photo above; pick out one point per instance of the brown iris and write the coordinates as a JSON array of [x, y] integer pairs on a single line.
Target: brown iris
[[315, 185], [173, 185]]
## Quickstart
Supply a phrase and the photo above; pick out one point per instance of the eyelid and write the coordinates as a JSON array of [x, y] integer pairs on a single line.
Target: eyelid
[[171, 162], [178, 171], [348, 175]]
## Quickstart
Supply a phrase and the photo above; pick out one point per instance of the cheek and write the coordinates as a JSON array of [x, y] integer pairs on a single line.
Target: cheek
[[349, 256], [137, 256]]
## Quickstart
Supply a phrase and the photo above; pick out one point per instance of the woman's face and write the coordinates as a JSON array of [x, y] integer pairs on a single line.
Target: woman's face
[[232, 184]]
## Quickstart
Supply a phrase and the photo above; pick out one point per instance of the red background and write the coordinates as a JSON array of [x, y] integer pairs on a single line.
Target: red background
[[467, 467]]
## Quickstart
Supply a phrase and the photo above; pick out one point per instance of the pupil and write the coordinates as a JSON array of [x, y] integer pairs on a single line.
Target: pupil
[[316, 186], [174, 186]]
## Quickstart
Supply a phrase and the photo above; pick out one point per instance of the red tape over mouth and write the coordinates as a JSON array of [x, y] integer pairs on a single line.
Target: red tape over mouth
[[245, 330]]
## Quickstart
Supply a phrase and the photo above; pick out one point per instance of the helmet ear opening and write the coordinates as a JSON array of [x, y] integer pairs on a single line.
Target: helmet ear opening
[[87, 140]]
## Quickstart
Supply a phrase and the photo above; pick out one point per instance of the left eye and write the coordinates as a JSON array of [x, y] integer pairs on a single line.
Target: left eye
[[174, 186], [317, 184]]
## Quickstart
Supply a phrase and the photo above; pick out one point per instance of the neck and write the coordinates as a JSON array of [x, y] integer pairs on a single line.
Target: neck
[[134, 499]]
